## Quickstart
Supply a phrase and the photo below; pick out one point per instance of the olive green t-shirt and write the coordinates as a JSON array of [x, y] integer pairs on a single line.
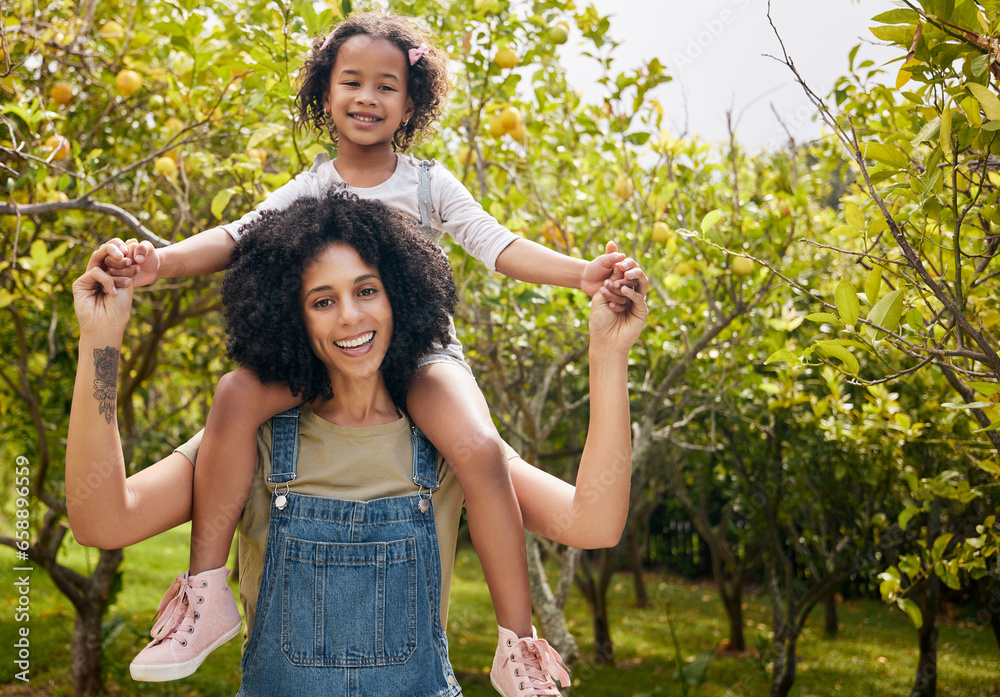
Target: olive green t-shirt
[[357, 464]]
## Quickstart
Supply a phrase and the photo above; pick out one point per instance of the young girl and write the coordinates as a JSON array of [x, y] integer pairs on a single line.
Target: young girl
[[374, 84]]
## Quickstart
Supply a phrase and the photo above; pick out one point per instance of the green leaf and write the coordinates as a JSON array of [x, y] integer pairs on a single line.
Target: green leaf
[[637, 138], [986, 99], [873, 284], [946, 130], [886, 314], [220, 201], [902, 35], [911, 609], [847, 303], [914, 318], [971, 108], [846, 358], [782, 355], [709, 221], [846, 231], [263, 133], [823, 317], [890, 582], [931, 128], [854, 216], [897, 17], [949, 576], [886, 155], [694, 673], [909, 564], [968, 405], [980, 64], [940, 544], [847, 342], [906, 515], [990, 465]]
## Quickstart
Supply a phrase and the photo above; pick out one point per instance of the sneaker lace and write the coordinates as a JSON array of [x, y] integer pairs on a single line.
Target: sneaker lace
[[542, 664], [175, 611]]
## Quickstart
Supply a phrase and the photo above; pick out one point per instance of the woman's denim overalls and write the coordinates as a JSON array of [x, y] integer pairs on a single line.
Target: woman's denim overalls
[[350, 596]]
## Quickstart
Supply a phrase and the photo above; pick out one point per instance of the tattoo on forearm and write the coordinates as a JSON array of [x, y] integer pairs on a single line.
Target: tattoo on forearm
[[106, 382]]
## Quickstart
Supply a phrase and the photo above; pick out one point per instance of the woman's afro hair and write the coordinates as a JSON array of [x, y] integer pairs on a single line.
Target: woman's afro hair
[[261, 289], [427, 82]]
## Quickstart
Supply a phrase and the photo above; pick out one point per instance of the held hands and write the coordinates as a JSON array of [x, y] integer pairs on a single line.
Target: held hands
[[611, 272], [132, 259], [103, 303], [615, 329]]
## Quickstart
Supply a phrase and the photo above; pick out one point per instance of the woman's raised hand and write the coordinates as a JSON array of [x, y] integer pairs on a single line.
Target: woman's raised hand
[[103, 303], [619, 330]]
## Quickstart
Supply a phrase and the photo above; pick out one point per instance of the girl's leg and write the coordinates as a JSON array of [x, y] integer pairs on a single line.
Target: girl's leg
[[198, 614], [446, 403], [227, 460]]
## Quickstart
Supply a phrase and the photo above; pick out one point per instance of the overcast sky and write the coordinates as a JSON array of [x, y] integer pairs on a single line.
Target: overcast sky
[[713, 50]]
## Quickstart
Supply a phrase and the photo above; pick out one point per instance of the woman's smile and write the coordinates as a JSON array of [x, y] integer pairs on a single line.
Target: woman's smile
[[357, 344]]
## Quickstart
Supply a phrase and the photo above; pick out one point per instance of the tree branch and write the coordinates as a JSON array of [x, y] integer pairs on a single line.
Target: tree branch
[[85, 204]]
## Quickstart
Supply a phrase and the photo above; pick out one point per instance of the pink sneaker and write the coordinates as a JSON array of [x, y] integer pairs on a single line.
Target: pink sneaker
[[196, 616], [527, 666]]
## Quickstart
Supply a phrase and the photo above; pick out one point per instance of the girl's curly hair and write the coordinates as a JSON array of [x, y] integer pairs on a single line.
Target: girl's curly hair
[[427, 82], [261, 289]]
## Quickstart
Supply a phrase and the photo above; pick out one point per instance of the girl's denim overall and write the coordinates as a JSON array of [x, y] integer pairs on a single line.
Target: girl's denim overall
[[350, 596]]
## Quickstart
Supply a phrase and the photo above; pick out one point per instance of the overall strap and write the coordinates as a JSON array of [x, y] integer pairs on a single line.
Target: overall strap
[[424, 460], [284, 446], [424, 204]]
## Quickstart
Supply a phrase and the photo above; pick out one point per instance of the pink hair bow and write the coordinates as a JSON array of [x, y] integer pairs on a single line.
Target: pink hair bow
[[326, 42], [418, 52]]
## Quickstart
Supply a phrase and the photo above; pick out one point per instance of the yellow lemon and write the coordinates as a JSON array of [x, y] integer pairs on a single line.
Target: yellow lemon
[[128, 82], [742, 266], [505, 58]]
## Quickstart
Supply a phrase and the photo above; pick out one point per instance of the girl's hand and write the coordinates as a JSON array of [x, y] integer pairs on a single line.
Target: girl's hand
[[619, 329], [611, 271], [600, 270], [102, 303], [137, 260]]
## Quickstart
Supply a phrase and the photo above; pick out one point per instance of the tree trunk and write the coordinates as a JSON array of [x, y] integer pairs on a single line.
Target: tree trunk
[[89, 596], [831, 626], [784, 665], [548, 605], [595, 590], [87, 662], [604, 650], [989, 591], [732, 601], [634, 555], [925, 684], [993, 608]]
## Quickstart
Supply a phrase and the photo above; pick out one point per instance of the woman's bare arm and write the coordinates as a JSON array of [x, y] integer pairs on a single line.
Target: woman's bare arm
[[592, 514], [106, 508]]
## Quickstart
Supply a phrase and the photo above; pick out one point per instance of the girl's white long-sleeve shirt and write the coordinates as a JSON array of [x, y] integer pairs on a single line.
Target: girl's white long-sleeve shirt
[[455, 211]]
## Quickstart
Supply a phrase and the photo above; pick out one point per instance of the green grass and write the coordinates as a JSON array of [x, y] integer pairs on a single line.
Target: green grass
[[874, 655]]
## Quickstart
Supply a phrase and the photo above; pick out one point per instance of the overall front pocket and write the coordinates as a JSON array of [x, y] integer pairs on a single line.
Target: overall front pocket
[[349, 605]]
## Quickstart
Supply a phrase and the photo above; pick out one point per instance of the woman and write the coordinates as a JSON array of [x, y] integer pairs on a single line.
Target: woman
[[341, 574]]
